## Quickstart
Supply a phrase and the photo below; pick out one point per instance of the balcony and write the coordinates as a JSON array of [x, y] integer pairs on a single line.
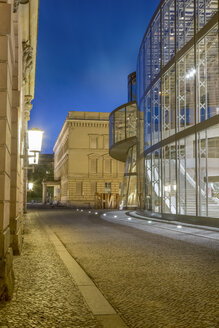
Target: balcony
[[123, 121]]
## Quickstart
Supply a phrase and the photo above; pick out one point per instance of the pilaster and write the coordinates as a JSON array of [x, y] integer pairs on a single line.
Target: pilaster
[[16, 219], [6, 66]]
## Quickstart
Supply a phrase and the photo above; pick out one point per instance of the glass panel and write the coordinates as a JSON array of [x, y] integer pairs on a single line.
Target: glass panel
[[169, 178], [147, 60], [148, 193], [168, 103], [133, 166], [156, 181], [111, 130], [202, 144], [147, 121], [184, 22], [132, 193], [185, 91], [130, 121], [190, 176], [156, 41], [107, 187], [132, 87], [156, 113], [128, 163], [205, 10], [208, 172], [138, 81], [207, 76], [186, 181], [124, 191], [141, 76], [168, 31], [119, 125]]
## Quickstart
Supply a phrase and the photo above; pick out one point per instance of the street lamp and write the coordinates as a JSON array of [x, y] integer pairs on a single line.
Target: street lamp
[[30, 186], [35, 138], [31, 155]]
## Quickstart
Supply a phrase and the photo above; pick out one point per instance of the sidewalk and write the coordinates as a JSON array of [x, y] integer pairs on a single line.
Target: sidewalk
[[172, 229], [45, 294]]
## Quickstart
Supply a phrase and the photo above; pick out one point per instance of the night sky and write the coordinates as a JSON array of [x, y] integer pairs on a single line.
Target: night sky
[[85, 51]]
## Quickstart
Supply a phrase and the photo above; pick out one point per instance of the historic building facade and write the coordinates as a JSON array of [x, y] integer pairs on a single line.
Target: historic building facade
[[178, 111], [18, 39], [88, 176]]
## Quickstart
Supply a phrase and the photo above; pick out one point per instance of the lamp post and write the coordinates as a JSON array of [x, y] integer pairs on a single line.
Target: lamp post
[[31, 155]]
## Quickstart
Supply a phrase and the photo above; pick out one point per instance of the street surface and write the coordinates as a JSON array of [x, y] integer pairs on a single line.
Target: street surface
[[152, 278]]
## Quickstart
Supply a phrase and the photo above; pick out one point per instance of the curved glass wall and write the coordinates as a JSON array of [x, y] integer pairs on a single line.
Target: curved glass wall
[[178, 98], [129, 190], [132, 87], [122, 123]]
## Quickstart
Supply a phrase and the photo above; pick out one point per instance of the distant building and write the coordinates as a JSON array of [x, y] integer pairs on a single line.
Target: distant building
[[44, 171], [88, 175]]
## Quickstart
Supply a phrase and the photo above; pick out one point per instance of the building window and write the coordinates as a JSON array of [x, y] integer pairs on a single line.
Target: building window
[[107, 187], [106, 142], [93, 165], [78, 188], [93, 187], [93, 142], [107, 166]]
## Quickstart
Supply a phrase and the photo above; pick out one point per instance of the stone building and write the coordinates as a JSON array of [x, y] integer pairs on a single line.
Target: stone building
[[18, 39], [88, 175]]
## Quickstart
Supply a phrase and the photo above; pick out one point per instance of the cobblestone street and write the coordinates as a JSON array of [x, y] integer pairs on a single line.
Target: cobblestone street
[[150, 279]]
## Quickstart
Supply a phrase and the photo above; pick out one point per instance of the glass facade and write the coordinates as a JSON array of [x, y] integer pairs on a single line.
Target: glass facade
[[132, 87], [123, 128], [129, 191], [122, 123], [178, 102]]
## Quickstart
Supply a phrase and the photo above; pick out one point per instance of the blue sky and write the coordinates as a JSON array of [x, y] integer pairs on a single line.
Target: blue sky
[[85, 51]]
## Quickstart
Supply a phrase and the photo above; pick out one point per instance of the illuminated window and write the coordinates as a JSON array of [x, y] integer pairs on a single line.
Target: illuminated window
[[107, 187]]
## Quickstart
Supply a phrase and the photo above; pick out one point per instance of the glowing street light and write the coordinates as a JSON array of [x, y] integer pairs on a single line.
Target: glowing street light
[[35, 138], [30, 186]]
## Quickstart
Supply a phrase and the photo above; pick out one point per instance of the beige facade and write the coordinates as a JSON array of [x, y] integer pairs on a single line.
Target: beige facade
[[88, 176], [18, 39]]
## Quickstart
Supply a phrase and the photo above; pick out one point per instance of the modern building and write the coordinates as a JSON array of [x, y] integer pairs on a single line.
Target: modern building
[[178, 112], [123, 129], [88, 176], [18, 41]]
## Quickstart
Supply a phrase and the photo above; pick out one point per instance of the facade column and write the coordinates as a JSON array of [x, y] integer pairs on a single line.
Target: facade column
[[16, 213], [27, 108], [6, 66]]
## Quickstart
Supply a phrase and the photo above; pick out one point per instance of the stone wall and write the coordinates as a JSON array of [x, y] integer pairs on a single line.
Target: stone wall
[[15, 97]]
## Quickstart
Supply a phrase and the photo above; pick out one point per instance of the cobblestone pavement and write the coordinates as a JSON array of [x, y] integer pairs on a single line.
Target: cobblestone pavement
[[152, 280], [45, 295]]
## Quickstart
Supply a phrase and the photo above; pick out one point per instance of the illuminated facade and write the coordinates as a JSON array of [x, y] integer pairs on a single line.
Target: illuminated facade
[[178, 101], [88, 176], [18, 44], [178, 111]]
